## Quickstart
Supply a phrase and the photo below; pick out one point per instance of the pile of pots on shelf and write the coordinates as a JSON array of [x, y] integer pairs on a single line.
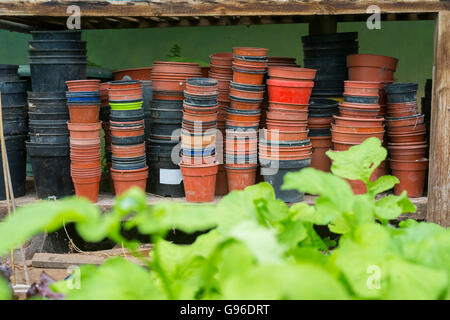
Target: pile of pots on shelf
[[83, 99], [407, 145], [14, 112], [221, 70], [359, 120], [327, 54], [243, 116], [129, 164], [320, 117], [284, 145], [199, 166]]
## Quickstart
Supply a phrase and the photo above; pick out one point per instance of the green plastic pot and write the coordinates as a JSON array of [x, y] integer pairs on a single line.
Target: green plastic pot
[[126, 106]]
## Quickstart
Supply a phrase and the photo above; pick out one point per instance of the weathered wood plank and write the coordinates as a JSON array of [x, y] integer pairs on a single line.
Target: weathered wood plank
[[187, 8], [439, 169]]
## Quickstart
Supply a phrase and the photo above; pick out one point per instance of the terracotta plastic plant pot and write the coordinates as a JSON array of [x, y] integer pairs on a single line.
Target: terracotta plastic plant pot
[[253, 65], [201, 86], [84, 130], [250, 51], [319, 122], [358, 129], [199, 181], [205, 71], [273, 106], [200, 110], [221, 181], [358, 122], [401, 105], [188, 160], [125, 84], [217, 69], [297, 92], [362, 88], [199, 117], [234, 146], [83, 85], [168, 95], [301, 115], [367, 67], [319, 160], [175, 67], [125, 95], [125, 179], [84, 113], [285, 126], [222, 59], [254, 95], [407, 151], [248, 77], [85, 164], [265, 156], [355, 137], [223, 84], [342, 146], [250, 117], [412, 175], [197, 141], [168, 85], [404, 112], [240, 178], [406, 121], [408, 137], [242, 124], [87, 187], [407, 129], [291, 73], [240, 105], [144, 74], [276, 135], [77, 142], [127, 131], [360, 106], [358, 113]]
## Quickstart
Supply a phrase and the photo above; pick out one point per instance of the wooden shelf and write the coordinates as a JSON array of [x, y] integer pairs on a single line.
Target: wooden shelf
[[29, 15]]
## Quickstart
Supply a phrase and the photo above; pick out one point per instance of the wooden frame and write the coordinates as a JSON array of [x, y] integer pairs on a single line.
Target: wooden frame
[[26, 15]]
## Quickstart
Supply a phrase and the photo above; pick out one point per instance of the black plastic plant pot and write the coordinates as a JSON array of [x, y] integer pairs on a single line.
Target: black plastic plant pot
[[164, 129], [50, 138], [15, 111], [331, 62], [318, 103], [200, 100], [401, 92], [167, 104], [51, 170], [128, 160], [51, 75], [15, 127], [297, 143], [57, 35], [319, 133], [19, 86], [247, 87], [166, 114], [250, 58], [47, 129], [359, 99], [245, 100], [325, 84], [202, 82], [127, 140], [47, 45], [8, 69], [57, 52], [333, 37], [320, 113], [274, 172], [246, 112], [49, 116], [129, 165], [165, 178], [207, 104], [15, 148], [126, 115]]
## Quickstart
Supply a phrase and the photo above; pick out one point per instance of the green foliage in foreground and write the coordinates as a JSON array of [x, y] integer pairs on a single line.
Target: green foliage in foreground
[[256, 247]]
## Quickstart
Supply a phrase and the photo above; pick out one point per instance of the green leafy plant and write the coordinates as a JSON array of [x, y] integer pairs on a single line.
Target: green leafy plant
[[256, 247], [175, 56]]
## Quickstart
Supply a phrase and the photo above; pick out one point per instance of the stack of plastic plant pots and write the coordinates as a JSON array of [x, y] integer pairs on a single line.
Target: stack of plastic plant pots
[[14, 100], [221, 70], [83, 99], [199, 166], [407, 139], [284, 146], [321, 112], [147, 96], [243, 116], [129, 164], [327, 54], [55, 57], [104, 118], [359, 120]]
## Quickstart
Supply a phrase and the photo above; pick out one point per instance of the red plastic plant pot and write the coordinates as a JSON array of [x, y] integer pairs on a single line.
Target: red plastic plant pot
[[291, 73], [319, 122], [127, 131], [239, 105], [199, 181], [358, 122], [246, 77], [407, 137], [144, 74], [222, 59], [355, 137], [291, 115], [221, 181], [407, 151], [83, 85], [277, 135], [409, 121], [274, 106], [84, 113], [297, 92], [412, 175], [250, 51], [319, 159], [195, 117], [362, 88], [84, 130], [407, 129], [242, 177], [125, 179], [358, 129], [175, 67], [87, 187]]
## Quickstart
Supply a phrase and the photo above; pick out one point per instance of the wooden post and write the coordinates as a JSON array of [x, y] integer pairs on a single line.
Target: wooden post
[[323, 25], [438, 208]]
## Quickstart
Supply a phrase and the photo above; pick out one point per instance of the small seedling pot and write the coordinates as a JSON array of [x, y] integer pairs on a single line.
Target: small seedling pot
[[87, 187], [319, 159], [412, 175], [125, 179], [240, 177], [199, 181]]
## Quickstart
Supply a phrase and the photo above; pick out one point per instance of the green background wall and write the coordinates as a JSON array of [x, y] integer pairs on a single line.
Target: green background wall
[[411, 42]]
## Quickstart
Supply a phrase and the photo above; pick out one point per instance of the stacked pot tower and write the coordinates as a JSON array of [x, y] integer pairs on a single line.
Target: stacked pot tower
[[284, 145], [14, 112], [165, 118], [83, 99], [221, 70], [199, 166], [243, 116], [129, 164], [55, 57], [327, 54], [407, 145]]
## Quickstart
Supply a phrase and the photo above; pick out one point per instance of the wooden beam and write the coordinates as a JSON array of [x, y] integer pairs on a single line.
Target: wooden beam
[[439, 169]]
